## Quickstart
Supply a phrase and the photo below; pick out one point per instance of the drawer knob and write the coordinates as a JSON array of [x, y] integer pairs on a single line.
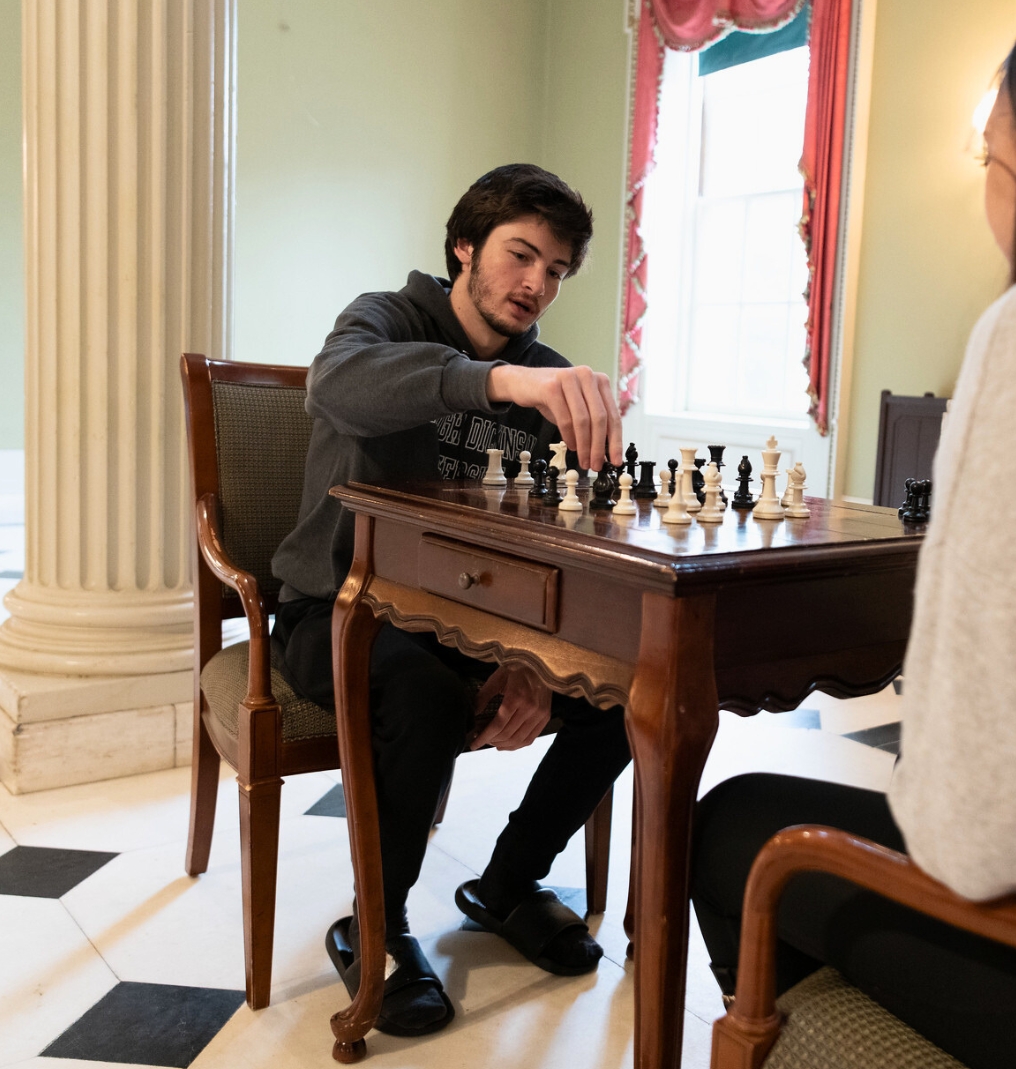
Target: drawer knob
[[466, 580]]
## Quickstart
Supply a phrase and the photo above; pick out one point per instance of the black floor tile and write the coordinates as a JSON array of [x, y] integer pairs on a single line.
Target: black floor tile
[[148, 1024], [882, 737], [333, 804], [44, 872]]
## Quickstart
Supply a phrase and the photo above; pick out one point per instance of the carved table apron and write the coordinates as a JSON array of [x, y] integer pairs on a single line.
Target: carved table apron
[[672, 622]]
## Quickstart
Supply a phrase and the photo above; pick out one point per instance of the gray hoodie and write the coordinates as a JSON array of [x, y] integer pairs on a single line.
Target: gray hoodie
[[397, 393]]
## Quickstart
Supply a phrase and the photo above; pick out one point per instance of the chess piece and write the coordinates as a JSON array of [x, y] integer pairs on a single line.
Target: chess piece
[[796, 508], [615, 475], [698, 481], [742, 496], [524, 478], [631, 454], [918, 511], [908, 497], [601, 500], [677, 510], [553, 498], [539, 489], [691, 502], [663, 495], [558, 457], [625, 507], [495, 476], [571, 502], [716, 456], [646, 489], [712, 510], [672, 464], [768, 506]]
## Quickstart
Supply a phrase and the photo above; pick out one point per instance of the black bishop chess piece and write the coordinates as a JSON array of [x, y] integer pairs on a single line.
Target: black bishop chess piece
[[553, 498], [672, 464], [698, 480], [645, 488], [538, 470], [602, 499], [716, 457], [631, 455], [742, 496]]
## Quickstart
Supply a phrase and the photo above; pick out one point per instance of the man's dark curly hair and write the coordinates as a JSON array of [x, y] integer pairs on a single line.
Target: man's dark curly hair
[[511, 191], [1009, 86]]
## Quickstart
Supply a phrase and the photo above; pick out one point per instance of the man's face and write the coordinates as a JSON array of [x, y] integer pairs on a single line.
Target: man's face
[[513, 279], [1000, 180]]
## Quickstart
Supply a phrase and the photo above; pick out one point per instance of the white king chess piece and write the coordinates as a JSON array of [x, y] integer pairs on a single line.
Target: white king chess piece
[[524, 478], [768, 506], [797, 509], [712, 510], [495, 474]]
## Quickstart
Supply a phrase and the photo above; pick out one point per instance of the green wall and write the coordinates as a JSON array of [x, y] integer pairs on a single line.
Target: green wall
[[12, 288], [928, 264]]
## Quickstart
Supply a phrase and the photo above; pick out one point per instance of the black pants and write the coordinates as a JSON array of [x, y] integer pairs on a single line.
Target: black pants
[[956, 989], [420, 701]]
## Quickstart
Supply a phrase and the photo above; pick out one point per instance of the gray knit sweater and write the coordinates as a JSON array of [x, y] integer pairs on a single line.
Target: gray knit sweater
[[397, 393], [954, 791]]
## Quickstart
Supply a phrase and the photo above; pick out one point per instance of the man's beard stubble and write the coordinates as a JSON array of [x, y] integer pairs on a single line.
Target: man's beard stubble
[[480, 294]]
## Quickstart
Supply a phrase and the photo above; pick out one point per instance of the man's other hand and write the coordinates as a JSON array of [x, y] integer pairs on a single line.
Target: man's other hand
[[524, 712], [578, 400]]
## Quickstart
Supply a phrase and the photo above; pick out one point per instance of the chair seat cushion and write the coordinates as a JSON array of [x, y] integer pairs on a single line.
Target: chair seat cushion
[[832, 1025], [224, 683]]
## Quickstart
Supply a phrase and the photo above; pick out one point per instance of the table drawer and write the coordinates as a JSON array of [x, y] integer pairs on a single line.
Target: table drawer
[[517, 589]]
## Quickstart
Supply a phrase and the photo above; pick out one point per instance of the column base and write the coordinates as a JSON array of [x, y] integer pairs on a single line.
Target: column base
[[56, 731]]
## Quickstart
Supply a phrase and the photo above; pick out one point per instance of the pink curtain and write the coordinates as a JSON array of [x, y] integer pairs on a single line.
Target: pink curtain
[[691, 24]]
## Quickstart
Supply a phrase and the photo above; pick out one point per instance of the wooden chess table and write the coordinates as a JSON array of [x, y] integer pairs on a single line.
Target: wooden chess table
[[672, 622]]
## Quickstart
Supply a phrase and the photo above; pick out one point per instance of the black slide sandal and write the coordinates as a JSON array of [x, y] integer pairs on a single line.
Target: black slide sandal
[[534, 923], [410, 967]]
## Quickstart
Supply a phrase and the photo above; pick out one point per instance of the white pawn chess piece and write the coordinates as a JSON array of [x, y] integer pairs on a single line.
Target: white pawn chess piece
[[677, 511], [691, 502], [524, 478], [558, 457], [570, 502], [712, 510], [797, 509], [663, 496], [495, 474], [625, 506], [768, 506]]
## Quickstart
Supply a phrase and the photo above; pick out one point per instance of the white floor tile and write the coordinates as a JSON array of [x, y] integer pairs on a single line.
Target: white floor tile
[[50, 975]]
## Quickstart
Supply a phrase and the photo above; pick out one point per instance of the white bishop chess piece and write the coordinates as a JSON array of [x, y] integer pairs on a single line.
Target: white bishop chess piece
[[768, 506], [797, 509], [712, 510]]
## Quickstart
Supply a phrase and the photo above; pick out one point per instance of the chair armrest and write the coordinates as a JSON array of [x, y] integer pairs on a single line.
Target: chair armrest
[[259, 688], [753, 1020]]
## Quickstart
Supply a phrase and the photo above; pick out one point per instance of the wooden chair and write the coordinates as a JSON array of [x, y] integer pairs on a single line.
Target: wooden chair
[[908, 432], [248, 433], [823, 1016]]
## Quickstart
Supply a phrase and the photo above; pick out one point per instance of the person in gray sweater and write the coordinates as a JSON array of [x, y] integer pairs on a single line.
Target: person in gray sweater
[[418, 384]]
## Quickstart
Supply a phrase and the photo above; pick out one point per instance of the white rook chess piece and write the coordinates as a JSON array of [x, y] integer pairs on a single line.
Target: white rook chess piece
[[570, 502], [524, 478], [691, 502], [625, 506], [712, 510], [558, 457], [495, 475], [768, 506], [663, 497], [677, 511], [797, 509]]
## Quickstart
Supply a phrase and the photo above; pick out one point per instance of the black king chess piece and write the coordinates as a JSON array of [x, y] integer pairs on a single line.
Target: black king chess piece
[[646, 487], [553, 498], [631, 455], [538, 470], [672, 464], [742, 496], [602, 501]]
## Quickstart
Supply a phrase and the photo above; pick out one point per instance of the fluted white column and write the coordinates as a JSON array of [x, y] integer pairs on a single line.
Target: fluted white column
[[129, 130]]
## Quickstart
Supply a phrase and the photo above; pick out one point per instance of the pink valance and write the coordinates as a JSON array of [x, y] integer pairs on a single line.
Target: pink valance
[[691, 24]]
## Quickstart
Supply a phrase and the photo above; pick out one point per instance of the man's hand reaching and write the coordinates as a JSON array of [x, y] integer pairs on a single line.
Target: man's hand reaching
[[577, 399], [524, 712]]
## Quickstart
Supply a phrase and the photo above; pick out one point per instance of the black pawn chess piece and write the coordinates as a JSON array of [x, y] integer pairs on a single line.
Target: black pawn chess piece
[[602, 501], [553, 498], [716, 457], [908, 497], [742, 496], [631, 455], [645, 489], [918, 509], [538, 470], [698, 480], [672, 464]]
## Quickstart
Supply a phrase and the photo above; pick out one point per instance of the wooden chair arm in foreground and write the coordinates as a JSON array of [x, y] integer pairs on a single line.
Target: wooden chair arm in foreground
[[743, 1038]]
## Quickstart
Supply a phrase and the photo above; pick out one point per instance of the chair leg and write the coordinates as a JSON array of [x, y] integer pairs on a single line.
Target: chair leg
[[443, 804], [204, 790], [598, 854], [259, 856]]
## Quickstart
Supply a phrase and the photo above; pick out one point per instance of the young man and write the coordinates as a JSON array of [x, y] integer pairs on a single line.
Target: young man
[[419, 384]]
